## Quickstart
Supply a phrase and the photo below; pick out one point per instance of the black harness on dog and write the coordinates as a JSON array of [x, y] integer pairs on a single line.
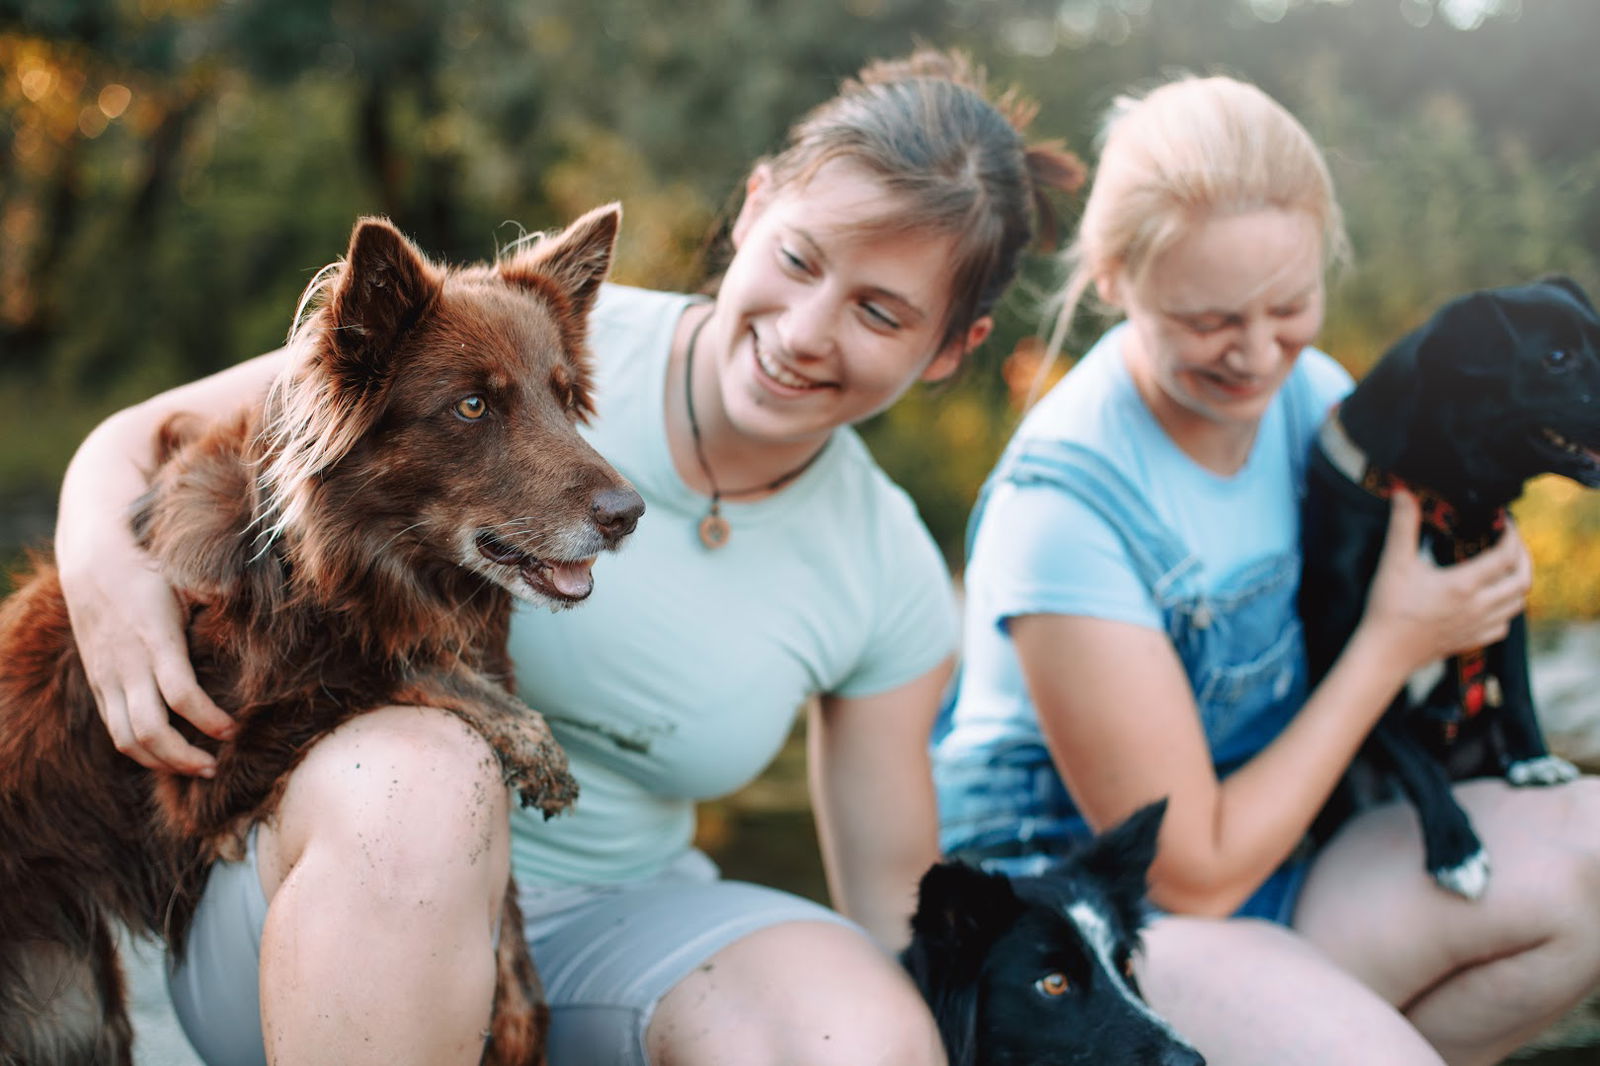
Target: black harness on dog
[[1478, 687]]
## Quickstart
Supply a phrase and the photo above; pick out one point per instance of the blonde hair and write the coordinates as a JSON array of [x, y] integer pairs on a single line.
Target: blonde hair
[[1188, 150]]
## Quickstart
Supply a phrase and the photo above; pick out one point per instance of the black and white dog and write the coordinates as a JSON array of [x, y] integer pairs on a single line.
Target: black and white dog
[[1497, 387], [1038, 971]]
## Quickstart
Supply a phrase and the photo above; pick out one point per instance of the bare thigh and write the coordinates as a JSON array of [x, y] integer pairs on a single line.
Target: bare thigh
[[1371, 906], [799, 992], [1251, 993], [385, 869], [1477, 978]]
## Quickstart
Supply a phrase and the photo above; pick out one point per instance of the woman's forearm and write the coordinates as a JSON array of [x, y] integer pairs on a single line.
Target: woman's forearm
[[1264, 808], [872, 789]]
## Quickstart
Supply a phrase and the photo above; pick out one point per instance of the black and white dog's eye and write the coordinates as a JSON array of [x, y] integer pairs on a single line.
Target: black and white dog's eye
[[471, 408], [1558, 359], [1052, 985]]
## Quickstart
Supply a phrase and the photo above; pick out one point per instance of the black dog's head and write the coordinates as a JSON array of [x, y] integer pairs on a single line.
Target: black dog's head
[[1497, 387], [1039, 970]]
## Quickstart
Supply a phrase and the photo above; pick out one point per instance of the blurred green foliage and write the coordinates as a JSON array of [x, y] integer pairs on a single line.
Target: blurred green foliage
[[172, 172]]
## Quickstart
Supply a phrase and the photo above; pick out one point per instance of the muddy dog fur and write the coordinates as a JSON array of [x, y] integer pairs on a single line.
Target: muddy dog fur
[[353, 541], [1038, 971], [1498, 387]]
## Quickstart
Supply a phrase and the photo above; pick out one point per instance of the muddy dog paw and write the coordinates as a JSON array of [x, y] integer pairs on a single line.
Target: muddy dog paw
[[535, 765]]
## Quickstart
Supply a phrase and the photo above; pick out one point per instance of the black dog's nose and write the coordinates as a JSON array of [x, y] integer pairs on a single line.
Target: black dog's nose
[[616, 511], [1181, 1057]]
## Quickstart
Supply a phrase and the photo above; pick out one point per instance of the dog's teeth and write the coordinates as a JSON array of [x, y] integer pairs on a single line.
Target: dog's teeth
[[1568, 446]]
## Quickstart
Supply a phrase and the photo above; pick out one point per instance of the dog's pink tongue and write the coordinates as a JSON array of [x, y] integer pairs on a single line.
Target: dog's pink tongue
[[573, 579]]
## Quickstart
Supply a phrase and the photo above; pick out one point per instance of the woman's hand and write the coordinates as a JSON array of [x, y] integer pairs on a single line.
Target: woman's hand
[[1426, 611], [129, 630], [125, 618]]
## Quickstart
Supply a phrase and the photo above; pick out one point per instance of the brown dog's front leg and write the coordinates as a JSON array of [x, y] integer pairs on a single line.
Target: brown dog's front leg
[[531, 760]]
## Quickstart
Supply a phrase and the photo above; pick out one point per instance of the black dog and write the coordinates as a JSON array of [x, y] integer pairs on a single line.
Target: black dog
[[1038, 971], [1498, 387]]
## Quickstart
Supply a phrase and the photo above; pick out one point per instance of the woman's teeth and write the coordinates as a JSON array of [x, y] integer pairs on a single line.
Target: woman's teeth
[[782, 375]]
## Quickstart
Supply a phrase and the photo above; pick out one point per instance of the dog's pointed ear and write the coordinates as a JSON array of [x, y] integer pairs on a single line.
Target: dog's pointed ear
[[576, 259], [961, 912], [385, 286], [1121, 856], [1570, 287]]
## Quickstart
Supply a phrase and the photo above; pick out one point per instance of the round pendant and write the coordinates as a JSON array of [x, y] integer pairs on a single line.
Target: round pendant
[[714, 530]]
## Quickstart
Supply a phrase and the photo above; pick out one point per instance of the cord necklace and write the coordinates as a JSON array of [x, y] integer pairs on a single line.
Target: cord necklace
[[714, 528]]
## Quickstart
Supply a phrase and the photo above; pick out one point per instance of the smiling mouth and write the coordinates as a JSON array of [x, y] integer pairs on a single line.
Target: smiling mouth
[[1232, 386], [568, 581], [780, 373]]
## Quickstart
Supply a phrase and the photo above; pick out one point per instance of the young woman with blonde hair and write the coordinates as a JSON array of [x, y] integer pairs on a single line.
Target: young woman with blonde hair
[[1131, 633]]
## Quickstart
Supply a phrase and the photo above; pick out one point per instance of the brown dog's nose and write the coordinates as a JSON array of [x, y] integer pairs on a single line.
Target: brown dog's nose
[[616, 512]]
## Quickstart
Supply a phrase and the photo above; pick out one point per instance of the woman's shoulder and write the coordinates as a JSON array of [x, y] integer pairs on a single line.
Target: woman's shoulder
[[1323, 381], [1093, 413], [1086, 405], [864, 491]]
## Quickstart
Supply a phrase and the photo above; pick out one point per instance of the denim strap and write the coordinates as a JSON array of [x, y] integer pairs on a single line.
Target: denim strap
[[1160, 559]]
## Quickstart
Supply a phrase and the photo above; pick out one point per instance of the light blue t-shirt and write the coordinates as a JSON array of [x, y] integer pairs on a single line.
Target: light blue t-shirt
[[1039, 550], [680, 676]]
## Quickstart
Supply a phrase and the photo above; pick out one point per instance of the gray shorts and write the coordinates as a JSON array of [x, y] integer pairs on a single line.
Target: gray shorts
[[606, 954]]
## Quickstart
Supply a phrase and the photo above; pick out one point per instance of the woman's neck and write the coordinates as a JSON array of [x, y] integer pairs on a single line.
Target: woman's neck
[[1221, 447]]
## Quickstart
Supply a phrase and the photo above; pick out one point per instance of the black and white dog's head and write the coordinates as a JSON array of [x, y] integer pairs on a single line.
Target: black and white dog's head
[[1497, 387], [1039, 970]]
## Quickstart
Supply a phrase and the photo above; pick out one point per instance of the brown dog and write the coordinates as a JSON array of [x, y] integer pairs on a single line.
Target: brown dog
[[350, 543]]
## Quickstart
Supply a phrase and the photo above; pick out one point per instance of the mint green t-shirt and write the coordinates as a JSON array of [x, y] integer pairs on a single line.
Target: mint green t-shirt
[[680, 676]]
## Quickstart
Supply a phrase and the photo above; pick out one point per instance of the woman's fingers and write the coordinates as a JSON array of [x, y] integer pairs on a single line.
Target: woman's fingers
[[132, 646], [1405, 525], [1443, 610], [182, 693], [152, 740]]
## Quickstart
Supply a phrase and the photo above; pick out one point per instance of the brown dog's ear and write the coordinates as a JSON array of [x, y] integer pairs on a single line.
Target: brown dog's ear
[[385, 286], [576, 259]]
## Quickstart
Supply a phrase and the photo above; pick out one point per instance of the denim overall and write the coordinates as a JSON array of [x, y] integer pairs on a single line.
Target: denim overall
[[1005, 806]]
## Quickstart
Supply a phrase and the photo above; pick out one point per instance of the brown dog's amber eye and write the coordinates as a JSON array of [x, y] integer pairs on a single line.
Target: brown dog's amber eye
[[472, 408], [1053, 984]]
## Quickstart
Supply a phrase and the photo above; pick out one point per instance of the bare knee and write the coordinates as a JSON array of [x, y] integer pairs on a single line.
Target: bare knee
[[800, 992], [1545, 843], [1572, 876], [408, 799]]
